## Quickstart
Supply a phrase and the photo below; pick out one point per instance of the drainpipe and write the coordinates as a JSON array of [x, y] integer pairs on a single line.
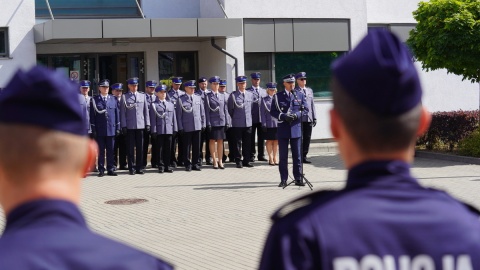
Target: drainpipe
[[225, 52]]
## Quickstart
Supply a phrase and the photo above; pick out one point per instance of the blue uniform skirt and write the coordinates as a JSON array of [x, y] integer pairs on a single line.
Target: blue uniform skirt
[[217, 133], [271, 134]]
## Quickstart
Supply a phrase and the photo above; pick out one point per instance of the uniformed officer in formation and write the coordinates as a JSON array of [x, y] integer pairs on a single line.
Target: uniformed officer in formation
[[383, 218], [135, 120], [105, 122], [216, 112], [287, 108], [120, 145], [309, 119], [147, 137], [163, 122], [258, 93], [240, 110], [269, 123], [230, 138], [45, 229], [85, 103], [204, 135], [172, 95], [191, 121]]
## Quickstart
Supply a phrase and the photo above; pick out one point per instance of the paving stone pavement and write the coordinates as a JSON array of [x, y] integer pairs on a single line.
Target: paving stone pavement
[[218, 219]]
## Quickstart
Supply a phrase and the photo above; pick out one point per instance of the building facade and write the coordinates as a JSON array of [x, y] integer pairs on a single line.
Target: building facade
[[155, 40]]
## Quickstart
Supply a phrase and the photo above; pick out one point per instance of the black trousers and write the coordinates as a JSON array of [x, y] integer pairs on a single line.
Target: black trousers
[[204, 140], [135, 148], [243, 137], [177, 139], [232, 144], [120, 151], [105, 143], [149, 139], [163, 149], [307, 136], [257, 128], [191, 143]]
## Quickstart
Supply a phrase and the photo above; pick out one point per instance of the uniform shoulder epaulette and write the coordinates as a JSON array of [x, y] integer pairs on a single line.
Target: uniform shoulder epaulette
[[301, 202]]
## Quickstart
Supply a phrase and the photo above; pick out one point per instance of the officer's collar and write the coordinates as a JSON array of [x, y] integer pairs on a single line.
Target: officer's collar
[[368, 172], [36, 210]]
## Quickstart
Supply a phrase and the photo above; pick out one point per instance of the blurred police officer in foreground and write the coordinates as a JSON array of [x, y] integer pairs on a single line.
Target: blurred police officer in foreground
[[105, 120], [191, 121], [222, 89], [287, 108], [44, 228], [164, 124], [204, 135], [147, 137], [135, 120], [258, 93], [120, 145], [383, 218], [240, 110], [309, 119], [172, 95]]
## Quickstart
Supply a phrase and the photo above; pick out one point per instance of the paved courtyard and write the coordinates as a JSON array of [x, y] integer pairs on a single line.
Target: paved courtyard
[[218, 219]]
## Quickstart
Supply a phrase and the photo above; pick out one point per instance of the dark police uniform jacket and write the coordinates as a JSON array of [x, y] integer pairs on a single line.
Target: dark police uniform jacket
[[216, 110], [163, 119], [105, 116], [52, 234], [383, 219], [281, 105]]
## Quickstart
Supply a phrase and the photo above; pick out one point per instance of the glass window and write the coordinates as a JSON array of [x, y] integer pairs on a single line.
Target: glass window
[[259, 62], [316, 65], [177, 64], [4, 42], [87, 9]]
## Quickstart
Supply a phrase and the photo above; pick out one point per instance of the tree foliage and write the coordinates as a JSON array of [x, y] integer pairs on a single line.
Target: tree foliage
[[448, 36]]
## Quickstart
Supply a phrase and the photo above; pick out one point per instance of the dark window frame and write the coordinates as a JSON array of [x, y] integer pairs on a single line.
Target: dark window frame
[[5, 54]]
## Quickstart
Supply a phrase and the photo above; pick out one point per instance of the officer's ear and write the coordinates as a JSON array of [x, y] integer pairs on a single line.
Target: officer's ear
[[91, 156], [425, 119], [334, 123]]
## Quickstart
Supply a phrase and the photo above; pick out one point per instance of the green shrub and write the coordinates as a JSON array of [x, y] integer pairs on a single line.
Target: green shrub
[[470, 146]]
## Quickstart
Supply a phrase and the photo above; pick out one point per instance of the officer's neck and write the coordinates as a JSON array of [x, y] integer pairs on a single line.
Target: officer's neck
[[104, 95], [161, 99], [288, 90], [241, 90], [133, 91]]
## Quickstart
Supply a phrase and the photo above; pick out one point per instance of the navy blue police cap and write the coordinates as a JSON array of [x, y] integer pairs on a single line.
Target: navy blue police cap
[[104, 82], [256, 75], [289, 78], [380, 75], [223, 82], [301, 75], [241, 79], [44, 98], [152, 83], [214, 79], [190, 83], [161, 87], [133, 81], [271, 85], [177, 80], [202, 79], [85, 83], [117, 86]]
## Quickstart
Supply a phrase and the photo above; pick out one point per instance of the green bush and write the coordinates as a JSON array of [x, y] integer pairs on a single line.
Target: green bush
[[470, 146]]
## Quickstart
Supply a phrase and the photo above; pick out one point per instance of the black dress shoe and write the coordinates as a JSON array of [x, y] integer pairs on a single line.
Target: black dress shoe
[[299, 183], [282, 184], [112, 173], [154, 166], [196, 168], [188, 168], [101, 174], [160, 170], [179, 164], [131, 172], [239, 165], [169, 170], [123, 168], [305, 160], [252, 160], [173, 164], [262, 159], [221, 167], [139, 172], [249, 165], [209, 163], [95, 170]]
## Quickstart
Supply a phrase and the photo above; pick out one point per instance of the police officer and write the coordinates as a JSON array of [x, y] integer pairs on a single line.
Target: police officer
[[45, 229], [201, 91], [105, 121], [269, 123], [135, 120], [147, 137], [191, 121], [163, 121], [287, 108], [383, 218], [120, 145], [222, 89], [172, 95], [85, 103], [216, 112], [309, 119], [258, 93], [240, 110]]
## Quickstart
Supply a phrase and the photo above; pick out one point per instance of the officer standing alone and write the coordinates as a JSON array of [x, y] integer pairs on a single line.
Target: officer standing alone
[[135, 120], [383, 218]]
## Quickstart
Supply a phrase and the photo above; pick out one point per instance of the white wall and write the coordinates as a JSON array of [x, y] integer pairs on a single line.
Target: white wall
[[19, 17]]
